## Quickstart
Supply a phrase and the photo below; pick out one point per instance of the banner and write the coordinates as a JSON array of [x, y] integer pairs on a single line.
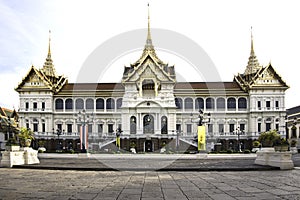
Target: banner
[[83, 140], [201, 138]]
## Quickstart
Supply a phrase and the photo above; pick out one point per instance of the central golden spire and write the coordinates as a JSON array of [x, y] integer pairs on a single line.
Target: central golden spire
[[149, 40]]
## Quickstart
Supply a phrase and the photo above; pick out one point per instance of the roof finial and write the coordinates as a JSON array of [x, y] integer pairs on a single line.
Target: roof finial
[[49, 49], [149, 40], [252, 48]]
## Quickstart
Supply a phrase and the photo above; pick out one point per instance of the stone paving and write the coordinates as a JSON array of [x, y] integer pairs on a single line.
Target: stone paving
[[147, 185]]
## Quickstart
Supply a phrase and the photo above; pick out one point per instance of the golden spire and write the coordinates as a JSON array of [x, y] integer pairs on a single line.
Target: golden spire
[[49, 49], [253, 64], [149, 40]]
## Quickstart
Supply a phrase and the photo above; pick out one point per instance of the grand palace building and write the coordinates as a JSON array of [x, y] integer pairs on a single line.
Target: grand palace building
[[152, 109]]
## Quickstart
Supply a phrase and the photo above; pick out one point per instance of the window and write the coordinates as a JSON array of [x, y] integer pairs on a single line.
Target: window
[[79, 104], [259, 105], [210, 103], [78, 128], [100, 104], [59, 127], [164, 125], [231, 103], [34, 105], [69, 128], [100, 128], [43, 106], [188, 104], [110, 128], [277, 104], [242, 103], [59, 104], [178, 103], [259, 127], [132, 125], [119, 103], [231, 128], [69, 104], [268, 104], [89, 104], [277, 127], [221, 128], [43, 126], [268, 126], [242, 127], [110, 104], [220, 103], [26, 105], [27, 123], [210, 128], [178, 128], [199, 104], [35, 125], [90, 128], [189, 129]]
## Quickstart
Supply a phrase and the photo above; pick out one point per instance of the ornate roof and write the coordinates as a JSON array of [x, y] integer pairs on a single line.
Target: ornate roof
[[44, 78], [149, 57]]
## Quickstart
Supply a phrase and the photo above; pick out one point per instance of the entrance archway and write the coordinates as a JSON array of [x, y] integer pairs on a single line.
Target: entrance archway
[[148, 124], [148, 146]]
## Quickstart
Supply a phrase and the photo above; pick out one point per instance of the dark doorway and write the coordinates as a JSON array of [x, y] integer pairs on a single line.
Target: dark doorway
[[148, 146]]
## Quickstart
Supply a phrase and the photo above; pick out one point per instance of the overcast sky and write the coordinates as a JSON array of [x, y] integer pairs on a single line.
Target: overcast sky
[[221, 28]]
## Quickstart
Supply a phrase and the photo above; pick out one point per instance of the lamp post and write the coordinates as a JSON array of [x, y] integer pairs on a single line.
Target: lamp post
[[58, 133], [83, 118], [238, 132]]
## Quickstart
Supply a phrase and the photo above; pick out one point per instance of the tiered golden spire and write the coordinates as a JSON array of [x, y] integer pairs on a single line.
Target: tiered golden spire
[[48, 68], [149, 40], [253, 65]]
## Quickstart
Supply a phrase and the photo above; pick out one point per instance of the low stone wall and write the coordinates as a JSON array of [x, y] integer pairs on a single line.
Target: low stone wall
[[24, 156], [283, 160]]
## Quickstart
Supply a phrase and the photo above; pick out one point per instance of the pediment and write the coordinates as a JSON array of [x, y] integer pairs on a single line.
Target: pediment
[[34, 79], [268, 77]]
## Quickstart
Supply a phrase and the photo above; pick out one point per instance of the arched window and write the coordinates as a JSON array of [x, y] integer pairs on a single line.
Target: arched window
[[59, 104], [231, 103], [79, 104], [100, 104], [188, 104], [178, 103], [119, 103], [210, 103], [242, 103], [199, 104], [164, 125], [110, 104], [132, 125], [69, 104], [220, 103], [89, 104]]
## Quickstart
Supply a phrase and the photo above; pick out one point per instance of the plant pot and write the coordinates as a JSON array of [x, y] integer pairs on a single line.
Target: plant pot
[[27, 143]]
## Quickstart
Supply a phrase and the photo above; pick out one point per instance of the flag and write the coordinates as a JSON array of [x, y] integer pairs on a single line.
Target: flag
[[83, 140], [118, 141], [201, 138]]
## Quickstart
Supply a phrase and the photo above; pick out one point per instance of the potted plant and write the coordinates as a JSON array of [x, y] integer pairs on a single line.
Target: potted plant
[[281, 145], [269, 138], [12, 144], [25, 137], [256, 144]]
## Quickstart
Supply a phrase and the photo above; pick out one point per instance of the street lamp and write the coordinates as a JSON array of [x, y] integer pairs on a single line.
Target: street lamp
[[58, 133], [239, 132], [83, 118]]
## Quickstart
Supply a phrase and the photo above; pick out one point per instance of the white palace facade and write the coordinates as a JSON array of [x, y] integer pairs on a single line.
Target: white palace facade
[[152, 109]]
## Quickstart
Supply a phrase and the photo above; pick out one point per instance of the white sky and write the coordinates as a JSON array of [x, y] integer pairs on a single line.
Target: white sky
[[221, 28]]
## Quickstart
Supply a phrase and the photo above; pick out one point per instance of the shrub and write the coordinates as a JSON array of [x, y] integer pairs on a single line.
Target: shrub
[[269, 138]]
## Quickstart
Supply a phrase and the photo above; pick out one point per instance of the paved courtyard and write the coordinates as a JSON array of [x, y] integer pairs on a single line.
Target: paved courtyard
[[146, 185]]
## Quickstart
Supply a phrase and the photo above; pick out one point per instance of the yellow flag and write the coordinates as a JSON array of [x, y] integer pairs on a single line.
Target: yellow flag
[[118, 142], [201, 138]]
